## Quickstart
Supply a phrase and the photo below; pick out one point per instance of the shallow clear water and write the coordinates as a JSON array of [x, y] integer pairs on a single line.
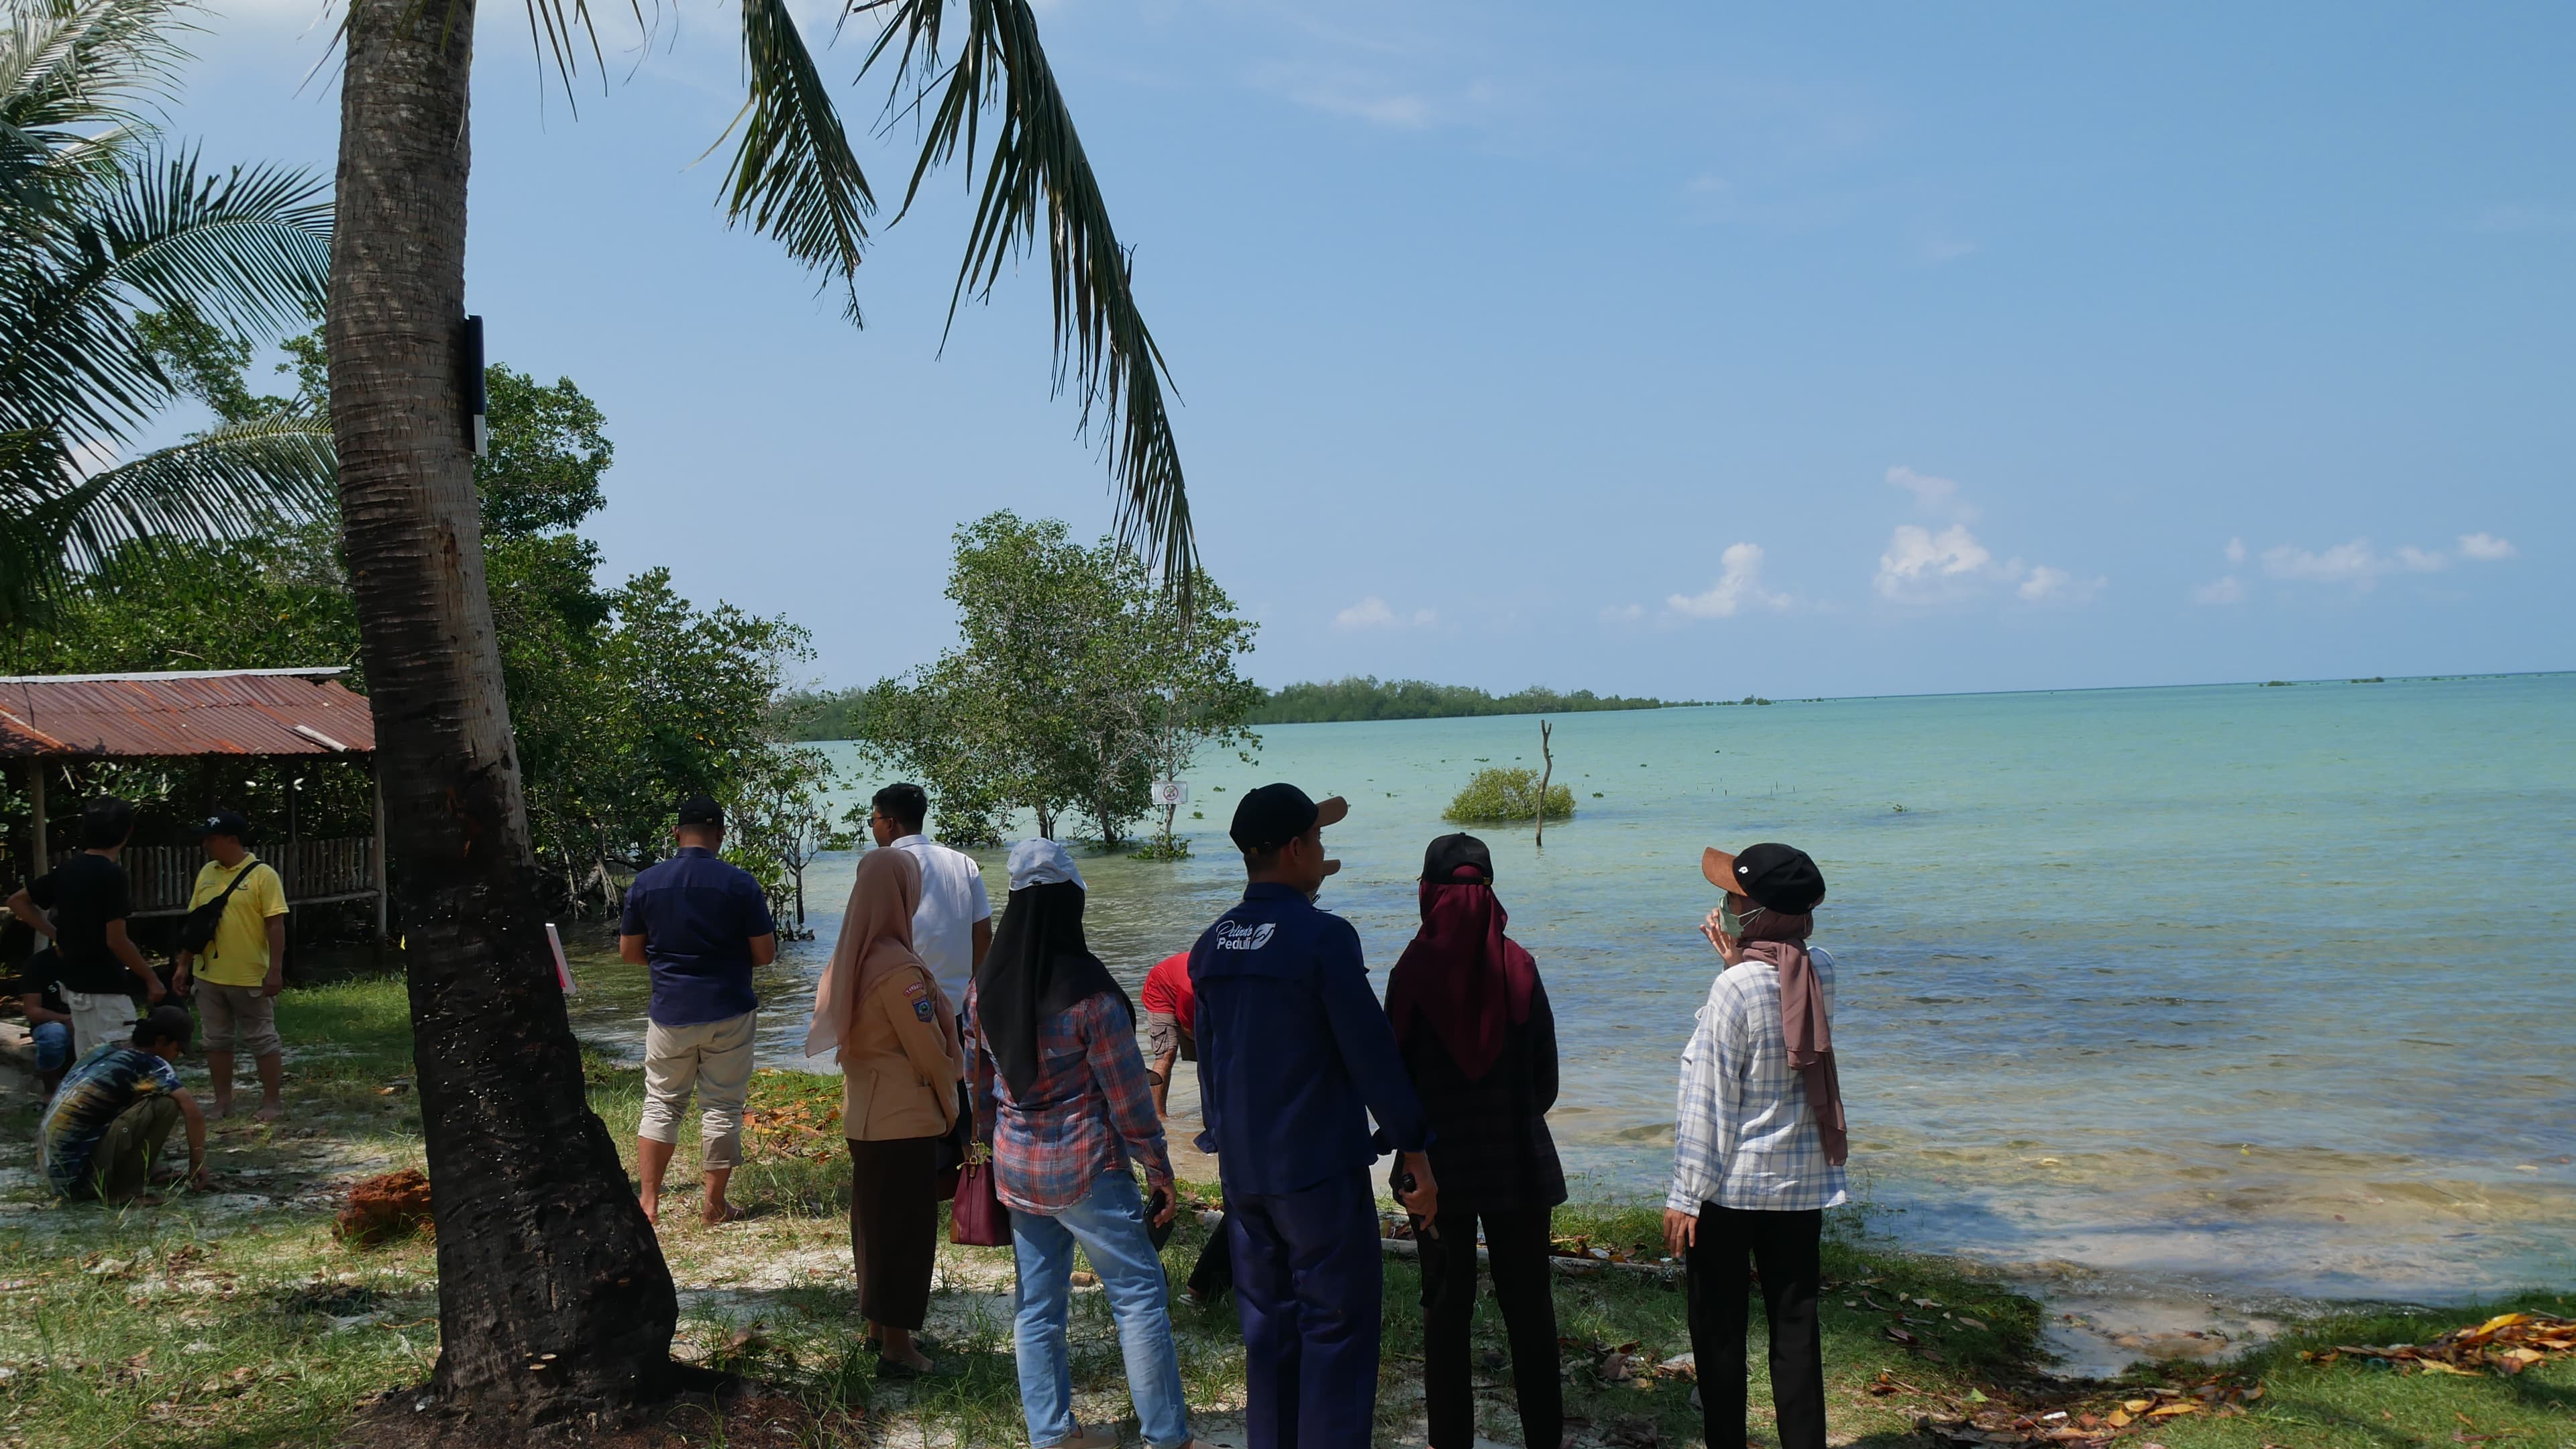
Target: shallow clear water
[[2264, 988]]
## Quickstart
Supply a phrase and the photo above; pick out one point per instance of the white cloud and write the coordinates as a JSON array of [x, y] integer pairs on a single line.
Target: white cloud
[[1738, 587], [2046, 585], [2356, 563], [2235, 550], [1936, 495], [1372, 613], [1920, 565], [1623, 614], [1400, 112], [2229, 590], [2485, 547]]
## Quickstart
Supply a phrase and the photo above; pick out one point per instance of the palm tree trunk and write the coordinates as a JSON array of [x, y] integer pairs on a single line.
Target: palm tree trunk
[[554, 1302]]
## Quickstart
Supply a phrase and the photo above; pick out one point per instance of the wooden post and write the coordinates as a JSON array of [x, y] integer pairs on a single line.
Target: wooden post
[[1538, 834], [291, 877], [36, 809], [378, 859]]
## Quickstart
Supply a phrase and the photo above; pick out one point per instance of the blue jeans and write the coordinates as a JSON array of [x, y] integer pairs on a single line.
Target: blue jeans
[[1109, 1222], [53, 1040]]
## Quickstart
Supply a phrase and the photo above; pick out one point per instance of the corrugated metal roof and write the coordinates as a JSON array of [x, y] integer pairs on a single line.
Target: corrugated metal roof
[[162, 716]]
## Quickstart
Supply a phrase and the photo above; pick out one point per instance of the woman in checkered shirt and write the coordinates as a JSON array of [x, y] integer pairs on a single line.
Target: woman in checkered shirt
[[1758, 1141]]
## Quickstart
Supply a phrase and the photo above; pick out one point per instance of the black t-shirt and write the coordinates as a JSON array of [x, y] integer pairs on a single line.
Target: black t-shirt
[[84, 893]]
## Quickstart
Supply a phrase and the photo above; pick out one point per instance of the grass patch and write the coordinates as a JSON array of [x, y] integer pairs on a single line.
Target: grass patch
[[2353, 1404], [232, 1319]]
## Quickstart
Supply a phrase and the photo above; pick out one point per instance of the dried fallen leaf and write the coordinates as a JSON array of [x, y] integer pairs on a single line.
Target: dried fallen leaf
[[2167, 1411]]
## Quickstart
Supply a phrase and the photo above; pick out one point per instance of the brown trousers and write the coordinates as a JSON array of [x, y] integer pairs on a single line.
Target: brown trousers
[[894, 1228]]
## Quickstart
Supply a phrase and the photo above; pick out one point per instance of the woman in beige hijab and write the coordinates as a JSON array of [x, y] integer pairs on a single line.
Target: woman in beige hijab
[[880, 1011]]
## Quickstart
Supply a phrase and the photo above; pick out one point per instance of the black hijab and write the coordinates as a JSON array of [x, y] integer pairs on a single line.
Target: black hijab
[[1038, 966]]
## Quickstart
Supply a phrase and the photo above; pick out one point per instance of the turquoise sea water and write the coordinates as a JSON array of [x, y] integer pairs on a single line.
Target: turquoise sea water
[[2267, 989]]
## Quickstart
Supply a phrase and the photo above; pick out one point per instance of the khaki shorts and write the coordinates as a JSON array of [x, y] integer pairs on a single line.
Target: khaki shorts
[[243, 1016], [715, 1058], [98, 1016], [1163, 1033]]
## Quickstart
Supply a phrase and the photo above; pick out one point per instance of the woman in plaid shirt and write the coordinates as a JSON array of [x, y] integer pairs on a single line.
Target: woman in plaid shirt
[[1758, 1142], [1061, 1094]]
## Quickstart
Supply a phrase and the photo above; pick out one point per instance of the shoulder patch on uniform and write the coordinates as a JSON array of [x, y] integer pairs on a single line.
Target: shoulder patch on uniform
[[916, 991], [921, 1009]]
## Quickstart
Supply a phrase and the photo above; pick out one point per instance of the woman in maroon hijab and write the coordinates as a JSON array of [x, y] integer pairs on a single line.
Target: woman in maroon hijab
[[1477, 1035]]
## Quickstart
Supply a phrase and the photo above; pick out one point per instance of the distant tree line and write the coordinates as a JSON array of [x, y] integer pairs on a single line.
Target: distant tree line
[[1365, 697], [823, 714]]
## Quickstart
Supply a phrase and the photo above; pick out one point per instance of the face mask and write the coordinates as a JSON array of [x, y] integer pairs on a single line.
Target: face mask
[[1728, 922]]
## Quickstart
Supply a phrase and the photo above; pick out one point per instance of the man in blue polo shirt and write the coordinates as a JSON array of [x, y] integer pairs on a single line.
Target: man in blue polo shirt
[[702, 925], [1294, 1054]]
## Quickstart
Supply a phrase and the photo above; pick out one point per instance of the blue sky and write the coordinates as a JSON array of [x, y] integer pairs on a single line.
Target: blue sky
[[1797, 351]]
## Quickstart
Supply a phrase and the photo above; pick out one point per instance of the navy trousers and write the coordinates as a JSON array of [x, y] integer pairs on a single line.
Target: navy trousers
[[1308, 1282]]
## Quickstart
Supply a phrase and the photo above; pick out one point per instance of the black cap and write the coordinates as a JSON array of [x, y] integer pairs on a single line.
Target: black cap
[[226, 822], [1271, 816], [1441, 862], [1777, 877], [165, 1023], [702, 810]]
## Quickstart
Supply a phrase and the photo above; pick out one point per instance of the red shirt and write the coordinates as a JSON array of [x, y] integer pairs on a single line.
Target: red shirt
[[1167, 990]]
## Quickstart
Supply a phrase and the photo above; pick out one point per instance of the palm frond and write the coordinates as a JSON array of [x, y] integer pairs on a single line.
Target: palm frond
[[32, 465], [251, 246], [1036, 170], [795, 179], [231, 482], [79, 81], [796, 186], [94, 224], [794, 175], [68, 356]]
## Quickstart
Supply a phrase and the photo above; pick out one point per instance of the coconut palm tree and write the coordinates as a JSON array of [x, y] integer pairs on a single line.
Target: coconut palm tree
[[554, 1301], [98, 220]]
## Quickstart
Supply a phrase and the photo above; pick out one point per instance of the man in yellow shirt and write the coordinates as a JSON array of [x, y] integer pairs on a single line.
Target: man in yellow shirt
[[244, 966]]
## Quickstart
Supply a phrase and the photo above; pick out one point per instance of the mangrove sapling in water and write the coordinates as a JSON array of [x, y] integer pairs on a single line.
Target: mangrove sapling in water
[[1508, 795]]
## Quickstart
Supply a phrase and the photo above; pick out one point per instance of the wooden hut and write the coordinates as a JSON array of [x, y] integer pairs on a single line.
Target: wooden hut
[[257, 713]]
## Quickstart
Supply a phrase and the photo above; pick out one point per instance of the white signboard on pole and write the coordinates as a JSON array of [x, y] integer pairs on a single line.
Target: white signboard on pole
[[1171, 794]]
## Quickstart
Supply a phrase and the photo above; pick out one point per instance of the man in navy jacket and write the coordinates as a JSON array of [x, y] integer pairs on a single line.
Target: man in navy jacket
[[1295, 1054]]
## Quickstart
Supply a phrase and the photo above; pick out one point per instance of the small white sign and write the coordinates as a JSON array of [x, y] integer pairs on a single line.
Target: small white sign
[[1171, 792]]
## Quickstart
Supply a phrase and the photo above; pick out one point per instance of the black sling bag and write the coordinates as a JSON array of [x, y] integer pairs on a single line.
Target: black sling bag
[[197, 928]]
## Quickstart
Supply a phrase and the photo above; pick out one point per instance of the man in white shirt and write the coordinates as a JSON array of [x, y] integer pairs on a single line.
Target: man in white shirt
[[954, 925]]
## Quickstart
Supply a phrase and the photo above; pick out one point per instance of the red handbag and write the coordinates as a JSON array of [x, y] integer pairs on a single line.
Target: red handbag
[[977, 1218]]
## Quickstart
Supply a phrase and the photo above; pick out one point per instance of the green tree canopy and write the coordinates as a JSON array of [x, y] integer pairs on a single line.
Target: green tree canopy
[[622, 698], [1075, 679]]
